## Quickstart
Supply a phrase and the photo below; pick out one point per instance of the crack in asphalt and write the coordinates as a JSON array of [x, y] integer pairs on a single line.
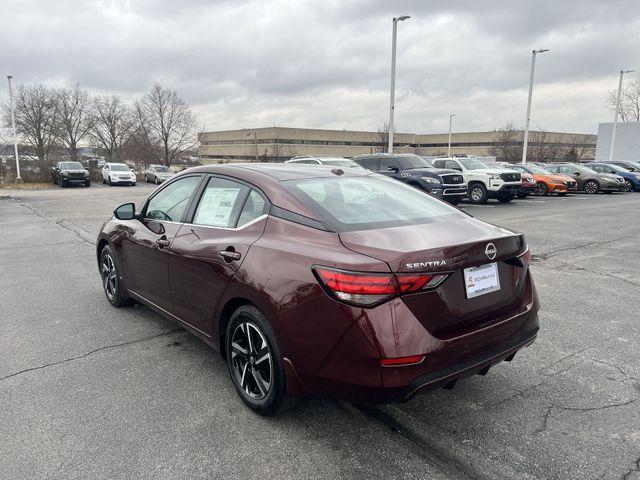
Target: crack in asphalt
[[636, 468], [545, 418], [79, 232], [606, 274], [552, 253], [84, 355], [432, 453]]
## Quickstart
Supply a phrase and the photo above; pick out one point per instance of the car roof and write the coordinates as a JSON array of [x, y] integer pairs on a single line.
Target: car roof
[[268, 177]]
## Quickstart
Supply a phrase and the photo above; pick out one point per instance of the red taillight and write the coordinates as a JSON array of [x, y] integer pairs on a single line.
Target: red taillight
[[415, 282], [399, 361], [369, 289], [364, 289]]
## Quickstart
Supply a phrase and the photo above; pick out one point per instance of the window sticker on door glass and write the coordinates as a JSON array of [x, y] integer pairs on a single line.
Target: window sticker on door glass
[[216, 207]]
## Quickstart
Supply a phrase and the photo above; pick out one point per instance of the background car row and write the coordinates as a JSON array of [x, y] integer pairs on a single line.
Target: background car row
[[456, 178]]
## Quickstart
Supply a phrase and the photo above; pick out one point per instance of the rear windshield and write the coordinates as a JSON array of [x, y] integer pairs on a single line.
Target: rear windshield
[[374, 201]]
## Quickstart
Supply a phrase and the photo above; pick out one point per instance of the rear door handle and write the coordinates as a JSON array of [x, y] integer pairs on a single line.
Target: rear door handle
[[230, 256], [163, 242]]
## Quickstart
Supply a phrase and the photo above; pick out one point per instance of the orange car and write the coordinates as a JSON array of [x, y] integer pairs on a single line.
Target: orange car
[[548, 182]]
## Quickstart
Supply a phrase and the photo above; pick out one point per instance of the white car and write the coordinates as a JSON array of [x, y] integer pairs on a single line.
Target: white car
[[157, 174], [118, 174], [484, 182], [333, 161]]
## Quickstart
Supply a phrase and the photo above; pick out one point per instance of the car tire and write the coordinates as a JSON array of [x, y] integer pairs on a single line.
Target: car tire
[[628, 187], [53, 179], [477, 193], [505, 197], [63, 184], [542, 189], [87, 183], [254, 361], [591, 187], [146, 179], [156, 181], [110, 275], [103, 181], [562, 194], [109, 181]]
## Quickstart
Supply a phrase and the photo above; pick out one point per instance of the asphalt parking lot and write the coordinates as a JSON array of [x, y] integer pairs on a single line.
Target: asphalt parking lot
[[89, 391]]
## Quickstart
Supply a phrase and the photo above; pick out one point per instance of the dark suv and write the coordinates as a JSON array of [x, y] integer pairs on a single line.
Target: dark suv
[[70, 173], [418, 172]]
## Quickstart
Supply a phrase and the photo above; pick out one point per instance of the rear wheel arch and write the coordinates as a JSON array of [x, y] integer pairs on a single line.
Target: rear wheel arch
[[225, 316]]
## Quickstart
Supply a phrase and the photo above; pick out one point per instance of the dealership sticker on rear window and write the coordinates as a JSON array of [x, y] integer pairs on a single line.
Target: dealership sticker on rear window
[[481, 280]]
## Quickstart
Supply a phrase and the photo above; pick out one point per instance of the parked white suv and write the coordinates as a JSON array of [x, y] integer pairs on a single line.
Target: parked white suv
[[484, 182], [118, 173], [333, 161]]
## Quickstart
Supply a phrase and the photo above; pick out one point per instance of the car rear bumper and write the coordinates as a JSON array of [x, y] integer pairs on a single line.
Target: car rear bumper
[[353, 372]]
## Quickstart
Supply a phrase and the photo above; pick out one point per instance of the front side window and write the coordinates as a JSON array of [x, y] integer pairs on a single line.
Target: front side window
[[372, 164], [220, 203], [170, 203], [363, 203], [386, 163], [452, 164]]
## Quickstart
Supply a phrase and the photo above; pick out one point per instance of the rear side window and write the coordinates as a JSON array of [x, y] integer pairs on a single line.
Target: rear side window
[[254, 207], [372, 164], [220, 203], [363, 203], [170, 203]]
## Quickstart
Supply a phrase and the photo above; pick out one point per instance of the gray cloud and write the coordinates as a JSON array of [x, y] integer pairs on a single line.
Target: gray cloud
[[326, 64]]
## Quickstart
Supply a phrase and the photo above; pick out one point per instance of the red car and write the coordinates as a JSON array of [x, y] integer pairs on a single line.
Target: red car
[[316, 280]]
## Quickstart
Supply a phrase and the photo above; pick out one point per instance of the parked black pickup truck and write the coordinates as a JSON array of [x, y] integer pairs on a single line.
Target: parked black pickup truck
[[418, 172], [70, 173]]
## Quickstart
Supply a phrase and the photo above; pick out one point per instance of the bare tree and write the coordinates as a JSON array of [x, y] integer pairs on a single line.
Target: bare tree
[[168, 122], [381, 144], [74, 112], [508, 146], [112, 125], [35, 117], [541, 148], [629, 102]]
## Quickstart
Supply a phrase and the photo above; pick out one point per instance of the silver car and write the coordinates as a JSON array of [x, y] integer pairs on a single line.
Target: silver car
[[157, 174]]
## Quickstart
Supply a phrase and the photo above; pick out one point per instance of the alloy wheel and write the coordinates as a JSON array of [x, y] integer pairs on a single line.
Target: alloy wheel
[[627, 186], [109, 276], [251, 361], [591, 187], [476, 194]]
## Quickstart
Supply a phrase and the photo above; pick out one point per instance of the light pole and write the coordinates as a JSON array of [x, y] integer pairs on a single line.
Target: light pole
[[15, 135], [449, 148], [255, 138], [393, 76], [526, 123], [615, 117]]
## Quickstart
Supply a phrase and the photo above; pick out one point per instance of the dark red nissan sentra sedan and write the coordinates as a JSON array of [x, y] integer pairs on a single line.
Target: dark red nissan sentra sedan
[[324, 281]]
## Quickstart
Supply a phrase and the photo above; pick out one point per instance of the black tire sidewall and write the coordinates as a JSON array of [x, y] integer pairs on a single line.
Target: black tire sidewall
[[542, 189], [272, 402], [591, 182], [119, 300]]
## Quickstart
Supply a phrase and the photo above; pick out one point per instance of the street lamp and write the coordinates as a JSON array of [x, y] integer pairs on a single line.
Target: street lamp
[[393, 76], [526, 123], [615, 118], [255, 138], [15, 135], [450, 119]]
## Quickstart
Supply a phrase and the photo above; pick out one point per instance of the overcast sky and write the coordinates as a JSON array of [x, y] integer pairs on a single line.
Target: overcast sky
[[325, 64]]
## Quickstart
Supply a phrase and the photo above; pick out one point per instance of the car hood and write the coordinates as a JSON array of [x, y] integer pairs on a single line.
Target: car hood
[[493, 171]]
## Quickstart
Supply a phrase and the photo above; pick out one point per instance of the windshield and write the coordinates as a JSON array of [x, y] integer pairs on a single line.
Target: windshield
[[472, 163], [582, 169], [71, 166], [407, 162], [537, 170], [343, 163], [162, 169], [119, 167], [363, 203]]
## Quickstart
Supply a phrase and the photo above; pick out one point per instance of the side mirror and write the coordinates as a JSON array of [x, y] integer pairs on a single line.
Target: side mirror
[[126, 211], [457, 168], [576, 174], [393, 168]]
